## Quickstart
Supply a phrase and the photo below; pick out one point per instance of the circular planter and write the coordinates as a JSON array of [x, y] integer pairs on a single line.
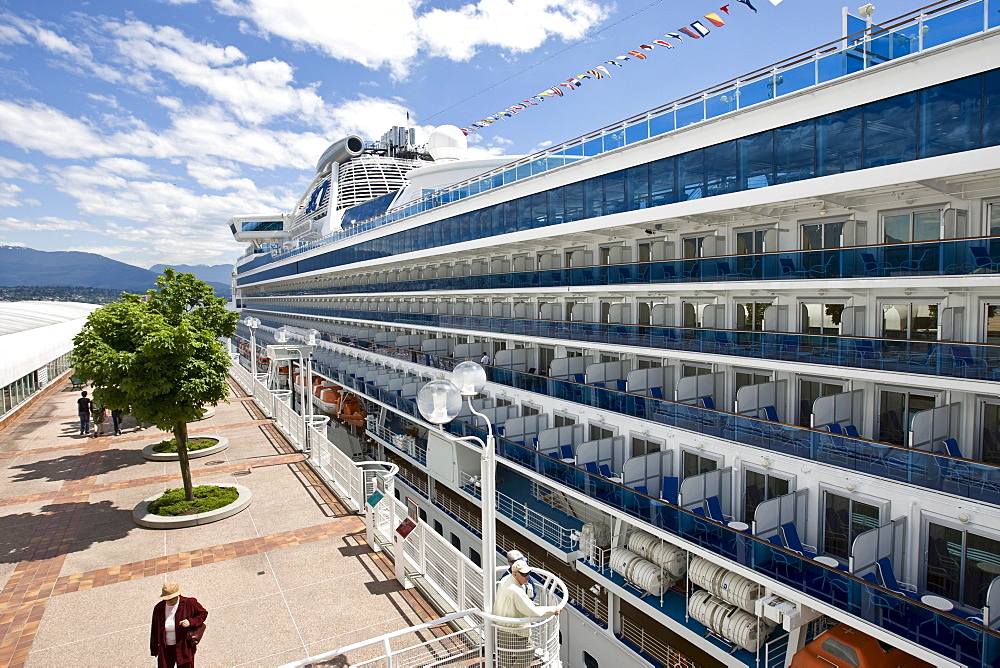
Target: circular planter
[[209, 412], [151, 455], [150, 521]]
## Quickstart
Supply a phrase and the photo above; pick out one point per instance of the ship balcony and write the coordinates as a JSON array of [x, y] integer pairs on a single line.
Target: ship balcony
[[965, 360], [931, 470], [954, 257]]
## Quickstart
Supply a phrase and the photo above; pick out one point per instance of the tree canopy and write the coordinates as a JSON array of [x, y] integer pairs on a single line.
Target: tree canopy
[[159, 354]]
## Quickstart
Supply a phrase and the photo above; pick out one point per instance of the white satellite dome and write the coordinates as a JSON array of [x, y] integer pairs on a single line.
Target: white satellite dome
[[447, 142]]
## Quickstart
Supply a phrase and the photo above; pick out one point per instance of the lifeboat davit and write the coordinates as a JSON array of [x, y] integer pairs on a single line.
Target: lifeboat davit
[[351, 411]]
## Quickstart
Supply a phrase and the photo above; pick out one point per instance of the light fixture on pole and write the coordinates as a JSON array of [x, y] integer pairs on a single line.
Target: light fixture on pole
[[440, 402], [304, 355], [252, 324]]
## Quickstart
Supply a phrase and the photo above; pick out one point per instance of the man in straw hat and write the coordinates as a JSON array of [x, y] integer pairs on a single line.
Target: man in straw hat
[[174, 617]]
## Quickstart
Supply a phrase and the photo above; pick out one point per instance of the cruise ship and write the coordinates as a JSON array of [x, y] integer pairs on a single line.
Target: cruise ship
[[743, 355]]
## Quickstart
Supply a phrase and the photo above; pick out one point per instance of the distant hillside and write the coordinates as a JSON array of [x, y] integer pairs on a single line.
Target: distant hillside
[[28, 267], [215, 273]]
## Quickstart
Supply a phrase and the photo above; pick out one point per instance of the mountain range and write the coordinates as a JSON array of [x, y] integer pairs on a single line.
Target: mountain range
[[20, 266]]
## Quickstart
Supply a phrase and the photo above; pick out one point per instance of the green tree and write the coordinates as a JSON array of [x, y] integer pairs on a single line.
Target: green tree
[[159, 355]]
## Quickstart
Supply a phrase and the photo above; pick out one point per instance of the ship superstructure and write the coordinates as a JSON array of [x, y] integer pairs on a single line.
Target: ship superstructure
[[744, 357]]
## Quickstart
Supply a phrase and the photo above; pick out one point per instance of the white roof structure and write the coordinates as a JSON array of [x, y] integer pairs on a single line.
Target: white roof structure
[[32, 334]]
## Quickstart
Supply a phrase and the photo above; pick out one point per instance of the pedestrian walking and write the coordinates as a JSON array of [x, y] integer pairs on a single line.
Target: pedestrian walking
[[98, 414], [177, 627], [83, 409], [116, 420]]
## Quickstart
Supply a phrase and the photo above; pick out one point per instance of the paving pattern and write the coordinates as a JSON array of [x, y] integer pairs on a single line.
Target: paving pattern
[[289, 577]]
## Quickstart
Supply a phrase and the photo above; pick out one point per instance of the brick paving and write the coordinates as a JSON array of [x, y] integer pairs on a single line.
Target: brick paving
[[273, 596]]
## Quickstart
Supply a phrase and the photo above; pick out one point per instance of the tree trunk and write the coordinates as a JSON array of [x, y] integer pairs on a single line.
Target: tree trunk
[[181, 434]]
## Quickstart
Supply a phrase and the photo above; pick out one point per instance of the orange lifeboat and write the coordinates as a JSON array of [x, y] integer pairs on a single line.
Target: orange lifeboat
[[351, 411], [329, 400]]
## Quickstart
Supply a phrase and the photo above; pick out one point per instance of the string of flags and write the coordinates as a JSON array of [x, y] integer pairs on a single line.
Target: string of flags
[[695, 30]]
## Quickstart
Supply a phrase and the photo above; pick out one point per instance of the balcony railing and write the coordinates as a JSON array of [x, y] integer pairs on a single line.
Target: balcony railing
[[957, 257], [975, 361], [916, 31], [960, 477]]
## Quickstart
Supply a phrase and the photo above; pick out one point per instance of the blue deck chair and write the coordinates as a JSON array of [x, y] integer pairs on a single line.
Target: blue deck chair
[[605, 470], [835, 428], [714, 508], [950, 448], [591, 467], [668, 490], [566, 453], [888, 578], [964, 357], [983, 259], [871, 264], [770, 414], [707, 402], [852, 431], [656, 392], [790, 534]]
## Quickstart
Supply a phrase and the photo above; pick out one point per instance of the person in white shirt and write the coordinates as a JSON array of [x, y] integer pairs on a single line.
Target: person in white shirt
[[514, 647], [485, 360]]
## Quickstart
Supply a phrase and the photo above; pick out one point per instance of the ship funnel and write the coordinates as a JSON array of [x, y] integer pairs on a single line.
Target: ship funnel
[[341, 151]]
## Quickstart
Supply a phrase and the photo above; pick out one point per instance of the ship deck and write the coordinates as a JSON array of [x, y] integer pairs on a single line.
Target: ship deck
[[290, 577]]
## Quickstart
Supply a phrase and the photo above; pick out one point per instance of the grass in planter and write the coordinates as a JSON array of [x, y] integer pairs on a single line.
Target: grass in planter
[[192, 445], [206, 498]]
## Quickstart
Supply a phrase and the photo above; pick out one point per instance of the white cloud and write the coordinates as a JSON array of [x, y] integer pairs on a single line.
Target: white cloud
[[254, 92], [123, 166], [343, 29], [45, 224], [9, 194], [12, 169]]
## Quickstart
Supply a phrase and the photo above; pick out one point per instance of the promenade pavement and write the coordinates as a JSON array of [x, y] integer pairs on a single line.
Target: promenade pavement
[[290, 577]]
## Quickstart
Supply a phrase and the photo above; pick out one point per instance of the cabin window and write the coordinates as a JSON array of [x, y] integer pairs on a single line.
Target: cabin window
[[896, 411], [817, 236], [843, 520], [906, 226], [695, 464], [759, 487], [960, 565], [642, 446], [907, 320], [809, 392]]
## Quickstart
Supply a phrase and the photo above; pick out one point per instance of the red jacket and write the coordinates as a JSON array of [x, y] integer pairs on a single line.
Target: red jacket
[[188, 608]]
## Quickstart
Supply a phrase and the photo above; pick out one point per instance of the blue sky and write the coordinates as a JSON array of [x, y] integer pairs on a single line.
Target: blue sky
[[136, 128]]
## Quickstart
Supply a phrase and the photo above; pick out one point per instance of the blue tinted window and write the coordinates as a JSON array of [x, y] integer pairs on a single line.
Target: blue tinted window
[[540, 209], [950, 117], [574, 201], [593, 197], [557, 206], [756, 161], [720, 168], [262, 226], [691, 174], [614, 192], [795, 152], [891, 130], [524, 213], [838, 142], [637, 187], [662, 185], [991, 108]]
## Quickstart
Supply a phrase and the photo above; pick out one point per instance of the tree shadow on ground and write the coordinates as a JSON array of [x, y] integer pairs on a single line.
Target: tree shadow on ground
[[101, 522], [77, 467]]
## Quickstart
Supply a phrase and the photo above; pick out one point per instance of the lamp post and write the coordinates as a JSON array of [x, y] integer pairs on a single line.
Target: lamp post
[[252, 324], [304, 354], [440, 402]]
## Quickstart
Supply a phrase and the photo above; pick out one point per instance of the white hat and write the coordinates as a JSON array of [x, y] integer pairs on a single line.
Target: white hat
[[520, 567]]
